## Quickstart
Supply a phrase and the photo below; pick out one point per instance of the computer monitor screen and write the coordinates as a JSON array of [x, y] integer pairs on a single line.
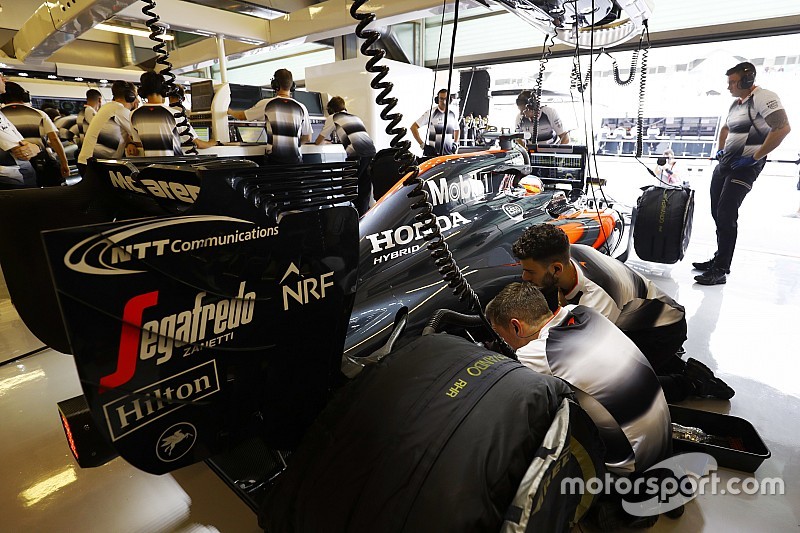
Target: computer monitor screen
[[244, 96], [202, 96], [252, 134], [312, 101], [203, 132]]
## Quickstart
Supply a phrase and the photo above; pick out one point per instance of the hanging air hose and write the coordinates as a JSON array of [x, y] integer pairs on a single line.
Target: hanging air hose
[[436, 244], [642, 90], [535, 102], [162, 58]]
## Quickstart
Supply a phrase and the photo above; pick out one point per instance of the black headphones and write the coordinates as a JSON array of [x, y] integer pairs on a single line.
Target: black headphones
[[748, 78], [275, 87], [436, 96], [130, 92]]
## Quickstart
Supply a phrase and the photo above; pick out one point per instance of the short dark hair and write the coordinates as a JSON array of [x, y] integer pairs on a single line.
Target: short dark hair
[[524, 97], [52, 112], [520, 300], [440, 92], [121, 89], [93, 95], [152, 82], [542, 242], [15, 93], [284, 79], [335, 105], [741, 68]]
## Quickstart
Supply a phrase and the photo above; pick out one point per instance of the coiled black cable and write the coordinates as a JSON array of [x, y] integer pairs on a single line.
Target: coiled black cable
[[631, 72], [535, 102], [162, 58], [642, 90], [440, 252]]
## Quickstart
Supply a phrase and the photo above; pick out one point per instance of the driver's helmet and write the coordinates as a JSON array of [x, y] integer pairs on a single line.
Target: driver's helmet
[[532, 185]]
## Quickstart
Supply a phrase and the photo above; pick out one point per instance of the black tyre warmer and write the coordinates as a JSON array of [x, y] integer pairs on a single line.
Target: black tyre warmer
[[436, 438], [663, 224]]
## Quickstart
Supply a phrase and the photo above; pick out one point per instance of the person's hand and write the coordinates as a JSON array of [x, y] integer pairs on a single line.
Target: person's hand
[[743, 161], [131, 150], [64, 170], [718, 155], [422, 145], [25, 151]]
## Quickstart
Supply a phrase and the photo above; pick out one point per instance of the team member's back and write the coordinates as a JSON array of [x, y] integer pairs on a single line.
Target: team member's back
[[287, 121]]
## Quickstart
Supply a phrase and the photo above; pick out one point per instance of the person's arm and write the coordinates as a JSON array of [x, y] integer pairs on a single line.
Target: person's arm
[[564, 138], [319, 140], [779, 129], [200, 143], [330, 125], [456, 133], [55, 144], [723, 136], [25, 151], [415, 133], [237, 114]]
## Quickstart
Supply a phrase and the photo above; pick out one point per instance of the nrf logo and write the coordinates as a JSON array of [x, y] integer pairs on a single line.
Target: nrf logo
[[304, 290]]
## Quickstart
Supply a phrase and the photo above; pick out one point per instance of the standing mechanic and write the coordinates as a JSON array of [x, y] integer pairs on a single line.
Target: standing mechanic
[[439, 142], [153, 125], [15, 153], [110, 131], [613, 382], [650, 318], [93, 102], [756, 125], [351, 132], [551, 128], [287, 121], [36, 127]]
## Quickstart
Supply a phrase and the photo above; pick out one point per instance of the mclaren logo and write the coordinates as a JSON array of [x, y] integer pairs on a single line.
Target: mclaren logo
[[303, 290], [110, 253], [171, 190]]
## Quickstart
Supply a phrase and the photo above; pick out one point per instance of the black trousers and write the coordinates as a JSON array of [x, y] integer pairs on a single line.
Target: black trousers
[[660, 346], [728, 189]]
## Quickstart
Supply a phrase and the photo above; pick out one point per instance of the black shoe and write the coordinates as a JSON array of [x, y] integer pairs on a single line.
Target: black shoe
[[715, 276], [704, 383], [705, 265]]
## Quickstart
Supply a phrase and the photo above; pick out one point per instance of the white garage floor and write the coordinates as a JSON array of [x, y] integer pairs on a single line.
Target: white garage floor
[[747, 331]]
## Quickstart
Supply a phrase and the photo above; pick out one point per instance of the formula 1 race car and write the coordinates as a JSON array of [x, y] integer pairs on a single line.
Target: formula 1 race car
[[211, 304]]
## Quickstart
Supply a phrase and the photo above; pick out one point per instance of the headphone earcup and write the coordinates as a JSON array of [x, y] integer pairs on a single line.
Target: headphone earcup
[[274, 85], [294, 87], [747, 80]]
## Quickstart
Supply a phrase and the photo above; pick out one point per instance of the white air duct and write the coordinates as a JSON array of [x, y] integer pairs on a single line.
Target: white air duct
[[57, 23]]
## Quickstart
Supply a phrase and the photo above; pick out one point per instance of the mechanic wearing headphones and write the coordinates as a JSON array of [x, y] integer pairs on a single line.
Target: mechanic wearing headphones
[[110, 130], [153, 125], [612, 380], [15, 153], [287, 121], [36, 127], [756, 125], [551, 128], [174, 99], [351, 132], [652, 320], [433, 119]]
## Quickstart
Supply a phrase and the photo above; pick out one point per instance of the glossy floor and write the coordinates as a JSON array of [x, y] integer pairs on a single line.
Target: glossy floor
[[746, 330]]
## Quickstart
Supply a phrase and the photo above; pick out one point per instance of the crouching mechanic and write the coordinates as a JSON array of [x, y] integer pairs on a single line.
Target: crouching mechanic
[[650, 318], [612, 380]]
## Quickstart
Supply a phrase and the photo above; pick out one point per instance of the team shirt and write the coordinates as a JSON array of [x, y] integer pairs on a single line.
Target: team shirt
[[108, 133], [622, 295], [153, 125], [436, 130], [351, 132], [10, 137], [613, 383], [286, 121], [550, 126], [747, 125], [32, 124], [65, 126], [83, 120]]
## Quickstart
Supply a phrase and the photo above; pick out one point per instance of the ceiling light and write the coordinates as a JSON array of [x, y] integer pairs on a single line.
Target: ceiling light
[[103, 81], [23, 74], [131, 31], [52, 77], [78, 79]]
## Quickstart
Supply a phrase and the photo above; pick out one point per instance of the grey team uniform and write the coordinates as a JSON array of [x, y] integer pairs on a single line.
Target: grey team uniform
[[108, 134], [84, 119], [550, 126], [153, 125], [33, 124], [747, 125], [434, 140], [12, 172], [65, 126], [352, 133], [286, 121], [613, 383]]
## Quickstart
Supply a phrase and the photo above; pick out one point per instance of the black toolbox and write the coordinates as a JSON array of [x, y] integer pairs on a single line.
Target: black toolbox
[[746, 452]]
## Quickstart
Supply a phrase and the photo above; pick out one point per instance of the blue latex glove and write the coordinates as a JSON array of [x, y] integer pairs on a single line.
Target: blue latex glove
[[743, 161], [719, 155]]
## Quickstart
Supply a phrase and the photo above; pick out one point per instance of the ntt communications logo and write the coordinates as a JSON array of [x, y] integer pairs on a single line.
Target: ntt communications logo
[[671, 483]]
